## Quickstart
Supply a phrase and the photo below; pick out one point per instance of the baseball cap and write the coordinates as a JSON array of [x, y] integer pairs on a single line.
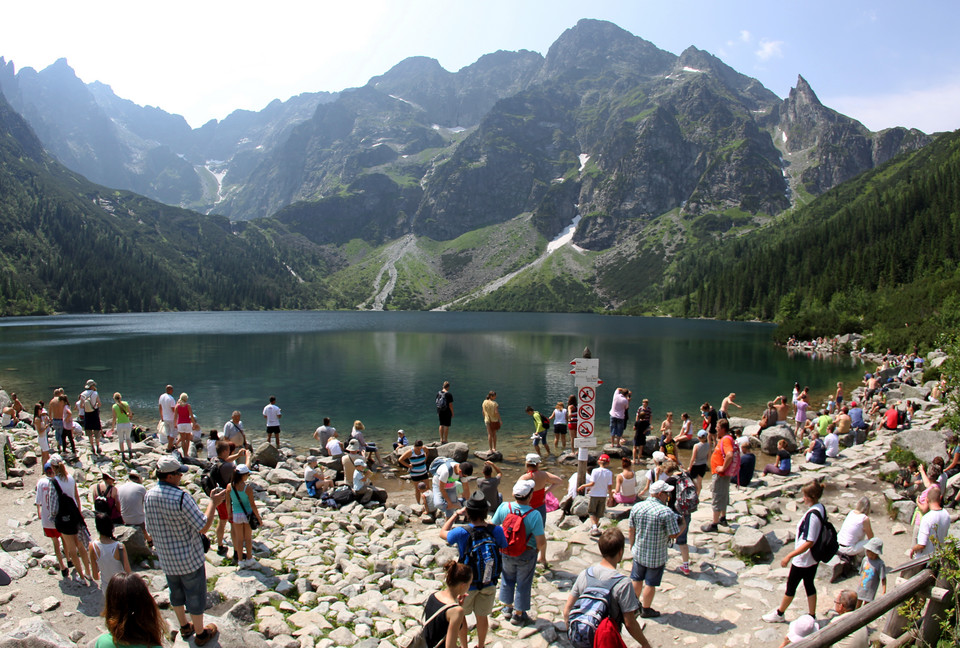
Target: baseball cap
[[660, 487], [523, 488], [47, 466], [875, 545], [532, 458], [359, 463], [659, 457], [801, 627], [401, 433], [702, 434], [168, 465], [604, 457], [312, 459], [55, 460], [243, 469]]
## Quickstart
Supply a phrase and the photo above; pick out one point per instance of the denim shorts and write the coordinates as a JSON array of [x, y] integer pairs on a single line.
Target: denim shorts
[[616, 426], [189, 590], [648, 575]]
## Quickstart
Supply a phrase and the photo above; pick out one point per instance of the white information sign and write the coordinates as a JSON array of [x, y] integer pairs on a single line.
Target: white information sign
[[586, 372]]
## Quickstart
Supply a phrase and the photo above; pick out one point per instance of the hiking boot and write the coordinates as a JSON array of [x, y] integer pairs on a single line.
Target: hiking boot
[[648, 613], [774, 617], [521, 618], [186, 631], [709, 528], [205, 635], [723, 521], [222, 550]]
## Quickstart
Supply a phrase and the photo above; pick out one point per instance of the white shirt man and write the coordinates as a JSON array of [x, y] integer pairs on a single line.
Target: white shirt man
[[167, 403]]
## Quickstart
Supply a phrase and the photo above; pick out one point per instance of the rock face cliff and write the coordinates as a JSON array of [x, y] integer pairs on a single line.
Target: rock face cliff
[[650, 149]]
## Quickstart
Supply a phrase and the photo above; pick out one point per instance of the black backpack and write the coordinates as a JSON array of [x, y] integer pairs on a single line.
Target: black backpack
[[544, 421], [442, 404], [212, 477], [483, 556], [826, 545], [68, 516]]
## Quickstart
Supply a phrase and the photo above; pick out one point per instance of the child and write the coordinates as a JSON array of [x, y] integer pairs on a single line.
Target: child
[[654, 473], [401, 442], [601, 488], [625, 491], [490, 485], [873, 572], [667, 445], [241, 508], [212, 445], [108, 557]]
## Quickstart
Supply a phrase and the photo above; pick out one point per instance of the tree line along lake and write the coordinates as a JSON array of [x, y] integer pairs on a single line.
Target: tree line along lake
[[385, 368]]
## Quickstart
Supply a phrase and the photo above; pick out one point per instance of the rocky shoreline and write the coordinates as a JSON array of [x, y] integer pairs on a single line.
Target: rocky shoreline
[[358, 576]]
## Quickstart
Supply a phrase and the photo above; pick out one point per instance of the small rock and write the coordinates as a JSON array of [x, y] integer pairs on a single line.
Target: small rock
[[50, 603]]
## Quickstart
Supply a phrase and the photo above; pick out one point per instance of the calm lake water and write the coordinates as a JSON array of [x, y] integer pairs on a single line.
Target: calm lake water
[[386, 367]]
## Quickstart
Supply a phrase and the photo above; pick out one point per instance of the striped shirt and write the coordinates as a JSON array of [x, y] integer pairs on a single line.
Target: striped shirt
[[418, 464], [174, 520]]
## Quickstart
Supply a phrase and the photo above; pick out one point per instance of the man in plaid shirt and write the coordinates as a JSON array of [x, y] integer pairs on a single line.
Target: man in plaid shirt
[[176, 524], [652, 525]]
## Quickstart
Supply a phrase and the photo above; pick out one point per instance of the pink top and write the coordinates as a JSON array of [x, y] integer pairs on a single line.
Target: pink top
[[183, 412]]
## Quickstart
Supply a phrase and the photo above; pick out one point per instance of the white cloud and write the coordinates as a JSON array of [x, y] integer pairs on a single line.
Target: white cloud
[[769, 49], [929, 109], [745, 36]]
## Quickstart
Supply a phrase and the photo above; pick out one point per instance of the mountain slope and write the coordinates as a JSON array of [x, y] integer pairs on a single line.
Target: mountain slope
[[70, 245]]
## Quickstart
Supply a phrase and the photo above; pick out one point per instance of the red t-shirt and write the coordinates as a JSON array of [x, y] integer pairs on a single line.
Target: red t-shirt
[[893, 418]]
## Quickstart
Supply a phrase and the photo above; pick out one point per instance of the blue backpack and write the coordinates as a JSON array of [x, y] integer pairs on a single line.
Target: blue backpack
[[592, 607], [483, 556]]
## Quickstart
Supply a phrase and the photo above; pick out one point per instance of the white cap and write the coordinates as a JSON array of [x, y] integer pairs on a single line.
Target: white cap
[[801, 627], [532, 458], [658, 487], [523, 488], [659, 457]]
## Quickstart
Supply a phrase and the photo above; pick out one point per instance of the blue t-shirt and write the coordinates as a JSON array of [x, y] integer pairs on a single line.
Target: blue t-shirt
[[856, 417], [533, 522], [460, 536], [818, 452]]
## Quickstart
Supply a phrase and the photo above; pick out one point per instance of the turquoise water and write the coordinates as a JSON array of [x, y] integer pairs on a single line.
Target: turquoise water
[[386, 367]]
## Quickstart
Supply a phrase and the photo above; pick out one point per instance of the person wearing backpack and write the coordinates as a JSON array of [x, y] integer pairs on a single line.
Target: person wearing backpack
[[724, 464], [678, 502], [803, 565], [523, 529], [602, 600], [68, 518], [445, 410], [479, 544]]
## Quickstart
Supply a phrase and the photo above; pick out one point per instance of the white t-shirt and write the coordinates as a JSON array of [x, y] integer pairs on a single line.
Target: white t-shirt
[[560, 416], [334, 447], [602, 478], [167, 403], [43, 499], [933, 525], [851, 531], [211, 449], [806, 559], [272, 412], [832, 443]]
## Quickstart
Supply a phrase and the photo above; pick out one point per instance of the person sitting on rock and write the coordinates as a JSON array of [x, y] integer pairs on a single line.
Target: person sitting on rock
[[782, 467], [748, 461], [817, 450], [846, 602], [313, 479]]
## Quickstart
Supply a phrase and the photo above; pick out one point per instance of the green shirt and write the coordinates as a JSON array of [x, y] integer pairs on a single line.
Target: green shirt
[[106, 641], [121, 412]]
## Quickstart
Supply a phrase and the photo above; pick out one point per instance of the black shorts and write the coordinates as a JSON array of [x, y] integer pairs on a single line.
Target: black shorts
[[805, 574], [446, 418], [560, 428], [91, 421], [273, 429], [698, 471]]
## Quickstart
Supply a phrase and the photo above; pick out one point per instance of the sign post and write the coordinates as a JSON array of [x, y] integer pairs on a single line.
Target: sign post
[[586, 380]]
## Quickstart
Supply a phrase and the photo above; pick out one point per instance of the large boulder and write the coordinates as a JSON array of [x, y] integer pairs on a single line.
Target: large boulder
[[750, 542], [770, 437], [283, 476], [486, 455], [133, 541], [33, 632], [13, 567], [267, 455], [910, 391], [17, 541], [924, 444], [740, 422], [456, 450]]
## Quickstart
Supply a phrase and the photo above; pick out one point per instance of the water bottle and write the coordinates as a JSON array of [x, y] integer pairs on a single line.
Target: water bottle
[[488, 570]]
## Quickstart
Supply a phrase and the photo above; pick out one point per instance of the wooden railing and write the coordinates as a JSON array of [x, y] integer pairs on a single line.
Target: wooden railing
[[895, 633]]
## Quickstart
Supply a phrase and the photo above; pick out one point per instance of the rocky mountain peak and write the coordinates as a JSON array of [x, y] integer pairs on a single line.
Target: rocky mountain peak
[[803, 94]]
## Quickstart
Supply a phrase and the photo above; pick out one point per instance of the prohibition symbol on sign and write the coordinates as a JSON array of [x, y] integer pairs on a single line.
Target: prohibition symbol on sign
[[585, 429], [586, 411], [587, 394]]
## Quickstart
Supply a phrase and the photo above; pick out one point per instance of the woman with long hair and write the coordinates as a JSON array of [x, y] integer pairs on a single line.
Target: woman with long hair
[[40, 424], [131, 614], [186, 423], [241, 508], [107, 556], [74, 533], [442, 612]]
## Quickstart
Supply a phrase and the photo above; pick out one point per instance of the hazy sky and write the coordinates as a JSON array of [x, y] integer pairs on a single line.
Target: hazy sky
[[886, 63]]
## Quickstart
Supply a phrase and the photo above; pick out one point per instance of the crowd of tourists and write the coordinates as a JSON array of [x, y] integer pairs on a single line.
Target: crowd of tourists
[[503, 538]]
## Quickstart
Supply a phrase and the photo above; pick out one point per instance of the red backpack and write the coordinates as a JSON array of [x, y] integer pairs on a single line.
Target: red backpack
[[515, 531]]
